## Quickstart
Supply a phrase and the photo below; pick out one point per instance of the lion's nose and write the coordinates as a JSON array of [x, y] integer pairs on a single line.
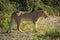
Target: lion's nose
[[46, 16]]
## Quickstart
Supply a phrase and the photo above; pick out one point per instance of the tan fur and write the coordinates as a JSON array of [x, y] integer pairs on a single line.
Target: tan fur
[[23, 15]]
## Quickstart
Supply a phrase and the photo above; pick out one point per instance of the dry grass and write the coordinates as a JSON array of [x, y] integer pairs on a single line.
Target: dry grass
[[48, 29]]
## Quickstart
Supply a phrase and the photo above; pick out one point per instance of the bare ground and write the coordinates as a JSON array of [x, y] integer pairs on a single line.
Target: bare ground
[[16, 35]]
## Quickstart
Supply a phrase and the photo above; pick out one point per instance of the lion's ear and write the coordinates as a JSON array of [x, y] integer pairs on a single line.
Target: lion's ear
[[42, 11]]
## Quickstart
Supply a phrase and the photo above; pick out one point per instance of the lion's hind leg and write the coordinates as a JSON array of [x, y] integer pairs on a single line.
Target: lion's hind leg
[[10, 25], [18, 24]]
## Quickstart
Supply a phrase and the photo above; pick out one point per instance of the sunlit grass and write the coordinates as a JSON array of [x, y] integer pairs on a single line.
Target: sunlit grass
[[25, 25], [46, 28]]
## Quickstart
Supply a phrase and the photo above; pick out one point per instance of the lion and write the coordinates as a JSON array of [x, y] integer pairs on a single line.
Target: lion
[[27, 16]]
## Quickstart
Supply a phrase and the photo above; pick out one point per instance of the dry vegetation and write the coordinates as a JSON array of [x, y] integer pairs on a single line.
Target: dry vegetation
[[48, 29]]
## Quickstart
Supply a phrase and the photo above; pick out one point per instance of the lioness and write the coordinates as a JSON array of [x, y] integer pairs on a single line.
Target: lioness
[[32, 16]]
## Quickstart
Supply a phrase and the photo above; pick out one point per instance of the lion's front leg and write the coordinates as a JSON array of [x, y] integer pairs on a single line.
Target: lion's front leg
[[36, 25]]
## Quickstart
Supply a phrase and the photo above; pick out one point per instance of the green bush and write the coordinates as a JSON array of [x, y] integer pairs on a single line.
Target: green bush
[[53, 33], [7, 7]]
